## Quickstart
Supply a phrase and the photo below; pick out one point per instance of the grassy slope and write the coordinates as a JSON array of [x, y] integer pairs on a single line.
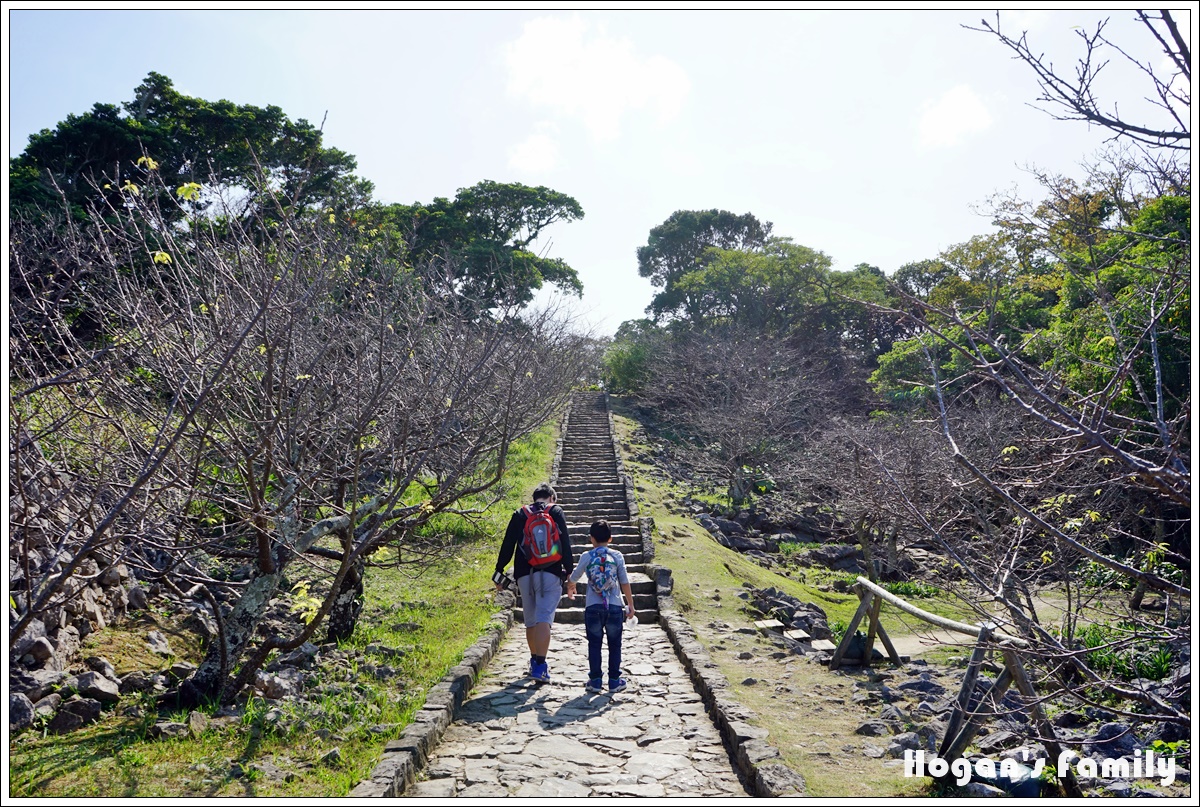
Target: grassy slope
[[807, 709], [449, 604]]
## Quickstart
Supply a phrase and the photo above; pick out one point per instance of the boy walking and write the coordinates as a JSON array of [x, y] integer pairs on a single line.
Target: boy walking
[[603, 614]]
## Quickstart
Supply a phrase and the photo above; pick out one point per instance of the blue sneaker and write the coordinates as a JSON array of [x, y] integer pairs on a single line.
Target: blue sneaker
[[595, 685], [616, 684], [540, 671]]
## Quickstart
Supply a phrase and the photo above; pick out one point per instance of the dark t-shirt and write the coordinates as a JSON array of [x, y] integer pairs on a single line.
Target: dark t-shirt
[[510, 549]]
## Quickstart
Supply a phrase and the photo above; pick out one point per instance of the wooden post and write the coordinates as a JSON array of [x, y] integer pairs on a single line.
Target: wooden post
[[934, 619], [887, 643], [872, 626], [1012, 661], [864, 604], [962, 706], [956, 747]]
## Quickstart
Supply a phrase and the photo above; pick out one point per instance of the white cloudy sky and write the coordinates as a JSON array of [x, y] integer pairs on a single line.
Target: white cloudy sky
[[873, 136]]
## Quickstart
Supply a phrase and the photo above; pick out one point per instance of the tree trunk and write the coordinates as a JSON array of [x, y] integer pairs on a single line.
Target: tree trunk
[[208, 682], [343, 615], [893, 555]]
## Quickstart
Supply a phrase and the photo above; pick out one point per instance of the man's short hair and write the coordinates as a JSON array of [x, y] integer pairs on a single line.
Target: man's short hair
[[600, 531], [543, 491]]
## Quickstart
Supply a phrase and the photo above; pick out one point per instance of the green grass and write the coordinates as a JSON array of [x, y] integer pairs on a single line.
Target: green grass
[[433, 616]]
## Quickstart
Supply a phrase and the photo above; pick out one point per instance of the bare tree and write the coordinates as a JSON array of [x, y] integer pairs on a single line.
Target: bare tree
[[740, 396], [1071, 95], [293, 392]]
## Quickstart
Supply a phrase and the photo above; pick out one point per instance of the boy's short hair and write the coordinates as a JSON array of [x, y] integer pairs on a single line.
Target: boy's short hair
[[600, 531], [543, 491]]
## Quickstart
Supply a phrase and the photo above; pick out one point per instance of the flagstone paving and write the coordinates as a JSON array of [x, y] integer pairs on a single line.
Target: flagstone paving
[[514, 737]]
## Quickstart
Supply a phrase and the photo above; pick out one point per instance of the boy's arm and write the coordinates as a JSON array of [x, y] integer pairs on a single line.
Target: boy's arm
[[627, 590]]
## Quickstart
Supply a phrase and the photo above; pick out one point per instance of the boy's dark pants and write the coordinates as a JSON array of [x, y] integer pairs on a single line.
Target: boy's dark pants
[[599, 620]]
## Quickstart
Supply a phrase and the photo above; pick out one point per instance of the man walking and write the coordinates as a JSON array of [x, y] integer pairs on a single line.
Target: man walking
[[538, 544]]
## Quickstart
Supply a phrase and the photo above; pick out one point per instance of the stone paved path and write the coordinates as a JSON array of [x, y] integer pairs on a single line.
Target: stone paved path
[[516, 738], [513, 737]]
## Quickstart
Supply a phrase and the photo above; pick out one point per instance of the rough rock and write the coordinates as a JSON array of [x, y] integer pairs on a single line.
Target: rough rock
[[1113, 740], [158, 643], [197, 723], [873, 728], [137, 681], [181, 671], [138, 600], [20, 712], [908, 741], [996, 741], [40, 648], [102, 666], [169, 730], [35, 684], [94, 685], [979, 790], [48, 705], [75, 714]]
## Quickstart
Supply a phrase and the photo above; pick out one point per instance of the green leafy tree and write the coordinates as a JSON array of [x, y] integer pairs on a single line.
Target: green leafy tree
[[109, 150], [489, 230], [763, 289], [627, 361], [680, 245]]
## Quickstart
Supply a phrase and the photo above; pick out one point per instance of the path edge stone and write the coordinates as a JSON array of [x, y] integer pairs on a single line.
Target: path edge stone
[[760, 764], [406, 756]]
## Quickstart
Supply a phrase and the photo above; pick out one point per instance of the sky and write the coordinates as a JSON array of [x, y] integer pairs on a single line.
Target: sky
[[873, 136]]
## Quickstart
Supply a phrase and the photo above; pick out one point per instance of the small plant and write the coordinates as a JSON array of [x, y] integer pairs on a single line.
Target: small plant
[[1116, 650], [911, 588], [304, 603], [1155, 665], [838, 628], [791, 549], [1178, 748], [131, 758]]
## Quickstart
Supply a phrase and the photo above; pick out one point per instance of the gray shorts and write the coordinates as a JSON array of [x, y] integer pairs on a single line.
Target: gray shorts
[[540, 593]]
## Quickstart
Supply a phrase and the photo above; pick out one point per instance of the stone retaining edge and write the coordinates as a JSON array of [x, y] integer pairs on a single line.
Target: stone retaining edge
[[759, 762], [406, 756]]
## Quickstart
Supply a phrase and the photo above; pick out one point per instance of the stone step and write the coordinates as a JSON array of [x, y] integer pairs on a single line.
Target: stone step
[[577, 502], [574, 616], [597, 489]]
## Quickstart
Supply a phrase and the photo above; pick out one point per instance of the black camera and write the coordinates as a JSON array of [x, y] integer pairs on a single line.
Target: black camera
[[504, 581]]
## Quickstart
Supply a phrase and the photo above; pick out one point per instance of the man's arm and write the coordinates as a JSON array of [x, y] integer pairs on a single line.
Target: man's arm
[[511, 536], [576, 575]]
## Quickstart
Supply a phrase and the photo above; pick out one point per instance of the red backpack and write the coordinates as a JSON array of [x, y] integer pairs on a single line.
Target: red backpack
[[542, 543]]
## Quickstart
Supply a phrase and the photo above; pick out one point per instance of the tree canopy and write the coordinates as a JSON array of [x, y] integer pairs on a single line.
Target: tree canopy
[[680, 245], [487, 231], [110, 149]]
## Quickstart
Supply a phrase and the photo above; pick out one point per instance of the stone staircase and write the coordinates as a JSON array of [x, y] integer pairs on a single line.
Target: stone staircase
[[590, 485]]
